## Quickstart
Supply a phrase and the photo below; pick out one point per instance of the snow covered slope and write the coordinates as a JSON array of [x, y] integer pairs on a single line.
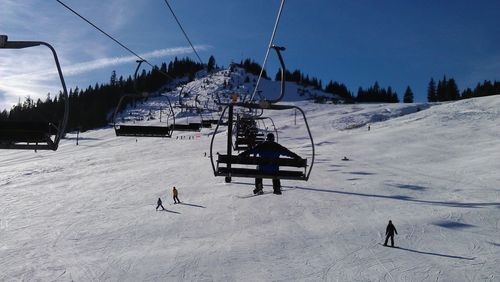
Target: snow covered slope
[[87, 212], [204, 90]]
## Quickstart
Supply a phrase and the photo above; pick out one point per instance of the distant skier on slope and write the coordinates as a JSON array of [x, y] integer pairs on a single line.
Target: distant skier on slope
[[270, 150], [389, 232], [175, 193], [159, 204]]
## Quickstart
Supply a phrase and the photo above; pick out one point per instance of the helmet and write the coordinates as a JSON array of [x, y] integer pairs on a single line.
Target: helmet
[[270, 137]]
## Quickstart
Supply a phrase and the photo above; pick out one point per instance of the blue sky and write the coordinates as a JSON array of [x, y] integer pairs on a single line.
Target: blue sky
[[397, 43]]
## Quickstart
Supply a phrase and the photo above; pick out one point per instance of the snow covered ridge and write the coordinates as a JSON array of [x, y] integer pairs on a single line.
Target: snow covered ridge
[[207, 88], [361, 115], [221, 85], [87, 212]]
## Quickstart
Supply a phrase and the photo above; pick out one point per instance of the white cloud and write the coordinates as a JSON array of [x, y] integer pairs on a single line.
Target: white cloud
[[81, 49], [43, 77], [118, 14], [106, 62]]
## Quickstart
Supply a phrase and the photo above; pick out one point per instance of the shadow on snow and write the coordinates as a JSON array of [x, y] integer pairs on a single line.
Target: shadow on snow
[[192, 205], [452, 224], [165, 210], [405, 198], [434, 254], [360, 173], [410, 187], [494, 244]]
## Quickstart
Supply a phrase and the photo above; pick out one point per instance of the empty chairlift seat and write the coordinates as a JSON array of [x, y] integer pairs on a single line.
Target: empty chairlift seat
[[187, 127], [143, 131], [26, 134], [133, 130]]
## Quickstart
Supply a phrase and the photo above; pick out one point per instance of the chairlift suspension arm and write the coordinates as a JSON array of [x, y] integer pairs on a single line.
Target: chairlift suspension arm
[[139, 62], [274, 126], [311, 138], [180, 95], [213, 137], [282, 68], [278, 17], [229, 136]]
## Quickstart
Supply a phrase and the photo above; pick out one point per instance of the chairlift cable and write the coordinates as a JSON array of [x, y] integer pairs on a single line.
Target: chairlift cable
[[268, 48], [112, 38], [182, 29]]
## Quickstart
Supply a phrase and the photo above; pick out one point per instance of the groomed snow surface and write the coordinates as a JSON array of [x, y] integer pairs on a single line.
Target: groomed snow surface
[[87, 212]]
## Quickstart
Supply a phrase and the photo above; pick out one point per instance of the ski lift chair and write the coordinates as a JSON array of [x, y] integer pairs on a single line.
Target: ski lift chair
[[248, 133], [131, 130], [207, 121], [254, 135], [216, 107], [229, 165], [192, 126], [33, 135], [201, 110]]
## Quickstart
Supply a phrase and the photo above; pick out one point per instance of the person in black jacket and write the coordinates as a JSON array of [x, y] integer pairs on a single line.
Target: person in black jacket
[[389, 232], [269, 150], [159, 204]]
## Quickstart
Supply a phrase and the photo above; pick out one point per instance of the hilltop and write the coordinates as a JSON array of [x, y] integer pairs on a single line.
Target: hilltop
[[199, 96]]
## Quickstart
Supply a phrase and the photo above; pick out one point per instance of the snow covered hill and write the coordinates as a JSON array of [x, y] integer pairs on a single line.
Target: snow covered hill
[[204, 90], [87, 212]]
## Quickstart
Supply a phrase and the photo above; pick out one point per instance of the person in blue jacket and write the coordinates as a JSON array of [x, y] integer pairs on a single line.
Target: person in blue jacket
[[269, 150]]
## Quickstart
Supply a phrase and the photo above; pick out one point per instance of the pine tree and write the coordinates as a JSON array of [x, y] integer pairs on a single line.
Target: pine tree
[[389, 96], [112, 80], [4, 115], [395, 97], [467, 93], [441, 92], [452, 90], [408, 96], [431, 91], [339, 89], [277, 77], [211, 64]]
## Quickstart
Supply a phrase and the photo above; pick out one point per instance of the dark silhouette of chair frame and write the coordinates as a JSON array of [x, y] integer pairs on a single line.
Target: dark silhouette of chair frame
[[131, 130], [34, 135], [229, 165]]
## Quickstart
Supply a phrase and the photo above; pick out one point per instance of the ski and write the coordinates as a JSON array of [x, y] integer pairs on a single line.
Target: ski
[[253, 195], [389, 246]]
